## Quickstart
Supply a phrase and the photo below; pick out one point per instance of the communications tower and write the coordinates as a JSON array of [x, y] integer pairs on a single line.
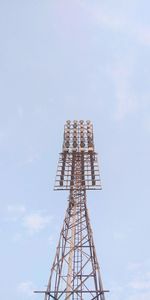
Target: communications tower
[[75, 273]]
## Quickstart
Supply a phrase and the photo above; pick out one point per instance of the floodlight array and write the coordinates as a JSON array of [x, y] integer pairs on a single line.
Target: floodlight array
[[78, 136], [78, 165]]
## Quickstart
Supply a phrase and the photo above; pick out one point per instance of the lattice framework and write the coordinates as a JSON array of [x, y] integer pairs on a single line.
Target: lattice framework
[[75, 273]]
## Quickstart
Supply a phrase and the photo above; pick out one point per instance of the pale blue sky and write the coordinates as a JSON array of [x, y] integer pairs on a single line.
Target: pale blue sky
[[74, 60]]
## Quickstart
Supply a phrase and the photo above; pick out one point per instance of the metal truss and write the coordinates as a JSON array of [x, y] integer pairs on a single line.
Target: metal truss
[[75, 273], [89, 172], [78, 145]]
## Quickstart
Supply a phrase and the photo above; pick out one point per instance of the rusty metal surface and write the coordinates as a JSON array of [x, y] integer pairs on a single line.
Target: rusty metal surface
[[78, 145], [84, 279], [88, 176], [75, 273]]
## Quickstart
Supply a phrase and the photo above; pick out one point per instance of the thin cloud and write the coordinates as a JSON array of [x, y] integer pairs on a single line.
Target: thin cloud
[[31, 222], [135, 266], [140, 284], [26, 288], [119, 22], [141, 280], [126, 101], [126, 104], [36, 222], [140, 296], [14, 212]]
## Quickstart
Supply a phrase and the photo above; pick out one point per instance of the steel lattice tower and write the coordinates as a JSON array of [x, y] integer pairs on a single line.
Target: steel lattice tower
[[75, 273]]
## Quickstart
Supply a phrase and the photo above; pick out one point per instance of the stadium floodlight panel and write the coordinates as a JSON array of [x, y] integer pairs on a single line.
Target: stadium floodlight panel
[[78, 152]]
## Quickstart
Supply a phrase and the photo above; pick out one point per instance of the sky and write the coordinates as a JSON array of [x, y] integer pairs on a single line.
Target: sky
[[74, 60]]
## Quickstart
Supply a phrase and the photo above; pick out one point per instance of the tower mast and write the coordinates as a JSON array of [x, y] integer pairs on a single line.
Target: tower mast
[[75, 273]]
